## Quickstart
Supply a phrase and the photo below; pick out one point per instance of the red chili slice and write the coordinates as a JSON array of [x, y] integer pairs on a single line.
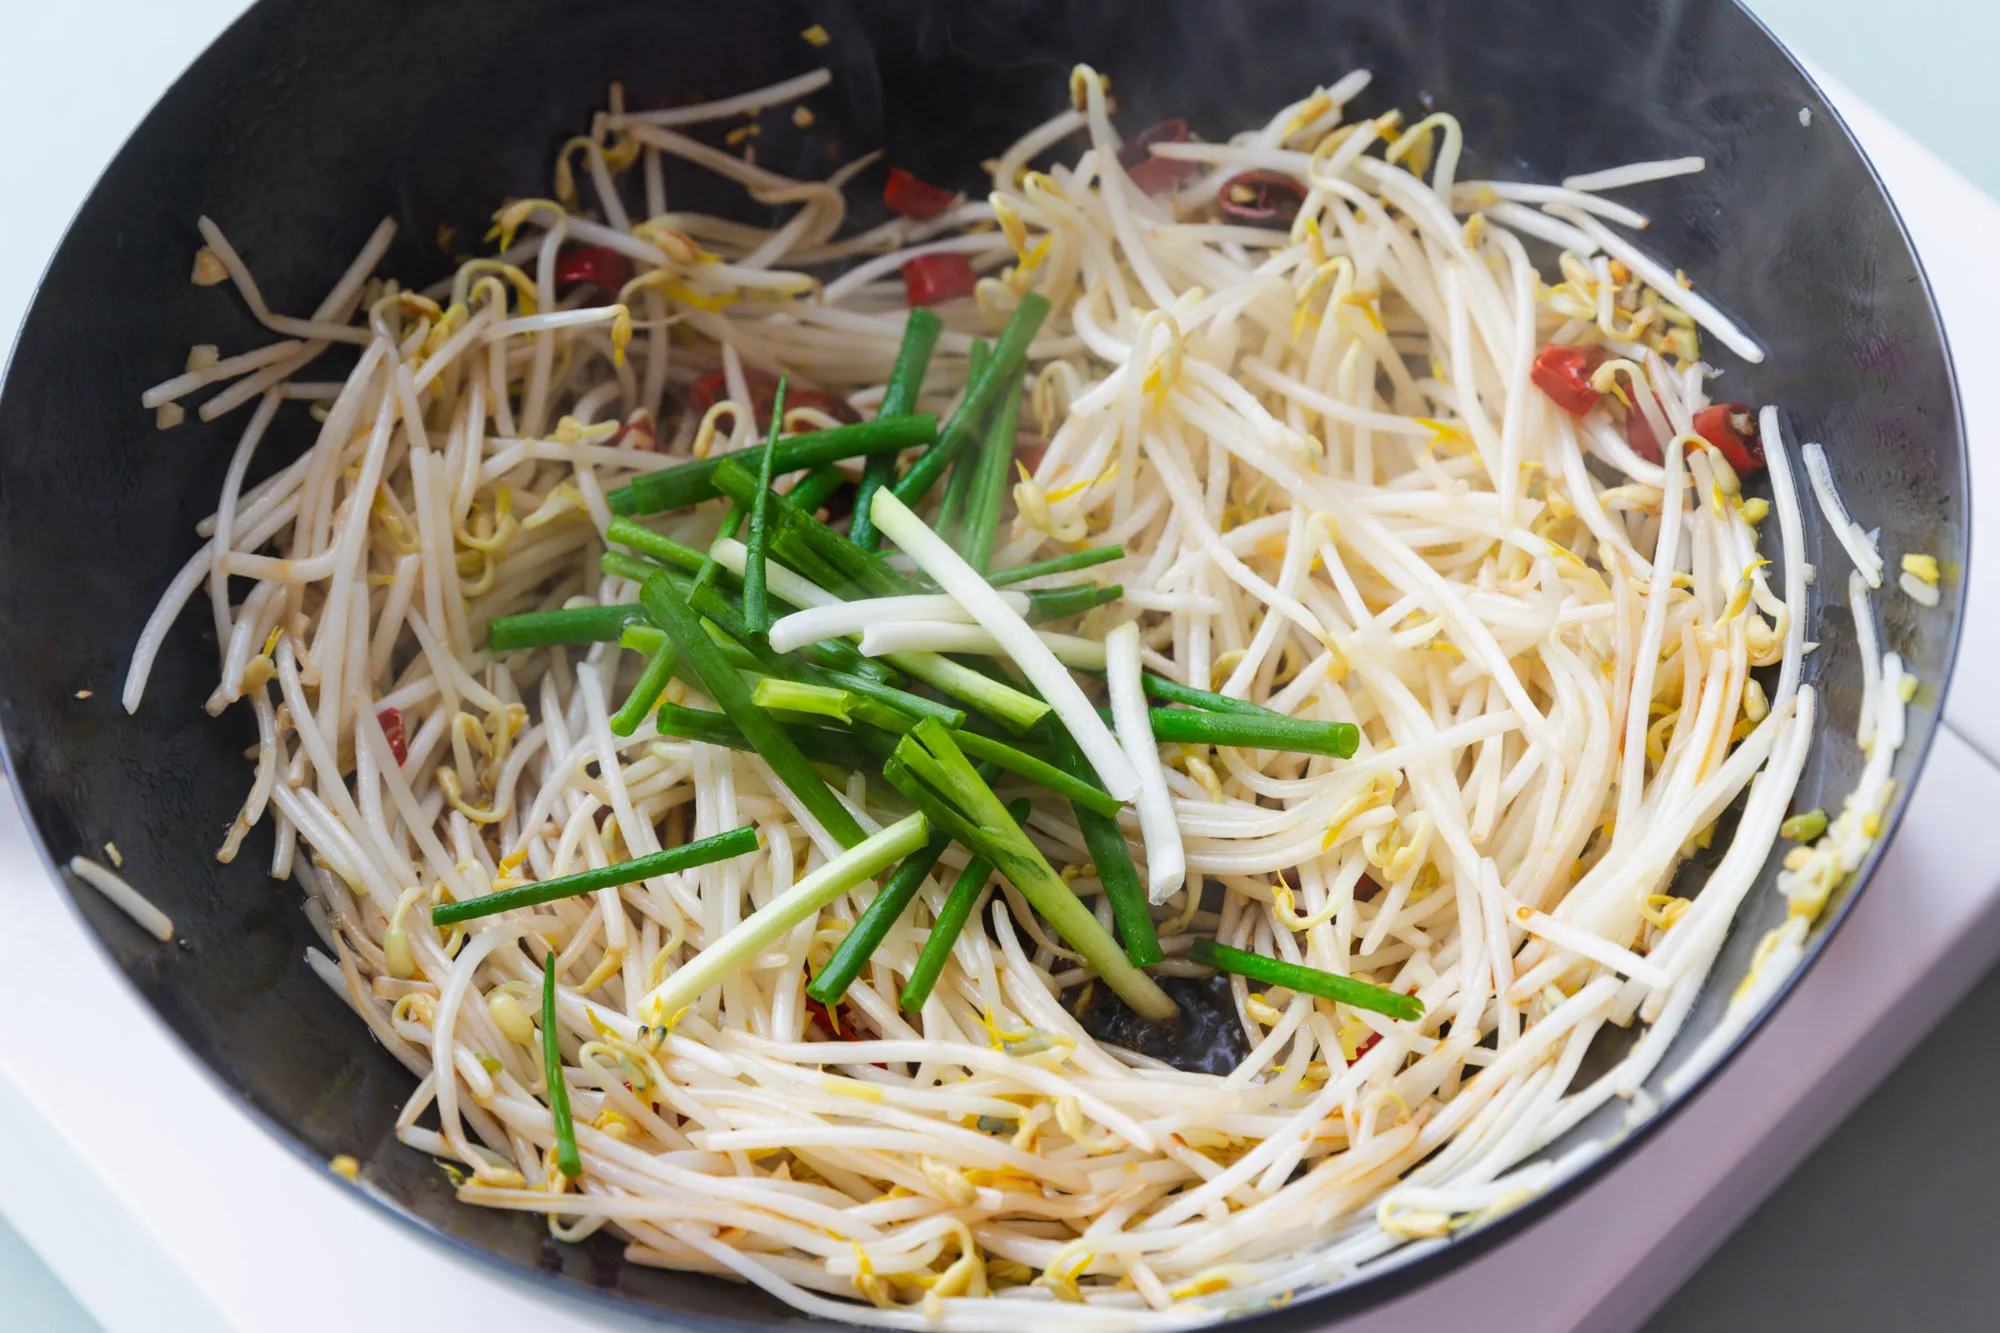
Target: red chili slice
[[915, 198], [1261, 199], [711, 389], [827, 1017], [391, 719], [1639, 433], [1154, 174], [600, 266], [636, 433], [929, 279], [1563, 373], [1732, 429]]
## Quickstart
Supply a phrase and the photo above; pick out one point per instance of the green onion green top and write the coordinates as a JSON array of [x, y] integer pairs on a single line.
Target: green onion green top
[[1061, 564], [567, 1160], [721, 847], [985, 389], [906, 381], [1306, 980], [670, 610], [691, 483], [756, 599]]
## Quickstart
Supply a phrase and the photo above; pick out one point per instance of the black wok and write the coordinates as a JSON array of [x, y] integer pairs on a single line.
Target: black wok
[[309, 120]]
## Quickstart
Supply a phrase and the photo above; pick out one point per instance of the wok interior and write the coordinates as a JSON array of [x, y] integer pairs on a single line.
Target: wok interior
[[308, 122]]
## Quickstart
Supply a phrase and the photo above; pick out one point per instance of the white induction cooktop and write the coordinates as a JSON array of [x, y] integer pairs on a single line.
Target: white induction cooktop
[[172, 1210]]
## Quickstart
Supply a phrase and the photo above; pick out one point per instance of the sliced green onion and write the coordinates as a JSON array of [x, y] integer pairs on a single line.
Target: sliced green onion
[[671, 612], [721, 847], [567, 1160], [777, 918], [1003, 703], [1076, 789], [818, 487], [1061, 564], [866, 935], [987, 489], [838, 619], [1055, 603], [1172, 691], [928, 757], [864, 569], [1159, 829], [571, 624], [1009, 706], [820, 745], [915, 705], [1306, 980], [1249, 731], [906, 381], [793, 696], [646, 692], [955, 636], [959, 485], [936, 558], [949, 924], [657, 545], [1010, 353], [1113, 862], [713, 606], [691, 483], [756, 600], [652, 682], [641, 638], [620, 565]]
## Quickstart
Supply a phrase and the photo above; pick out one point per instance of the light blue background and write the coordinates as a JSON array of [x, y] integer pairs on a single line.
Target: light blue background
[[1926, 64]]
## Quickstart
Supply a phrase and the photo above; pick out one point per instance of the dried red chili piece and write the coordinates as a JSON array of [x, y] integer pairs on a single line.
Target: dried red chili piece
[[827, 1017], [1153, 174], [712, 388], [637, 433], [1732, 429], [600, 266], [915, 198], [1563, 373], [1261, 199], [1639, 434], [929, 279], [391, 720]]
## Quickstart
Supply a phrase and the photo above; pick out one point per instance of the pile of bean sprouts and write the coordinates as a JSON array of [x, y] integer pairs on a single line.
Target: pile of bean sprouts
[[1341, 497]]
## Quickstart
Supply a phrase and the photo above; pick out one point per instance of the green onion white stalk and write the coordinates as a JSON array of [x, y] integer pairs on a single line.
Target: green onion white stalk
[[802, 902], [1013, 636], [942, 636], [1166, 861], [842, 619]]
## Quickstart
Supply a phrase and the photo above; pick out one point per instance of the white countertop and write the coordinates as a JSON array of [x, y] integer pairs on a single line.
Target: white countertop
[[191, 1217]]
